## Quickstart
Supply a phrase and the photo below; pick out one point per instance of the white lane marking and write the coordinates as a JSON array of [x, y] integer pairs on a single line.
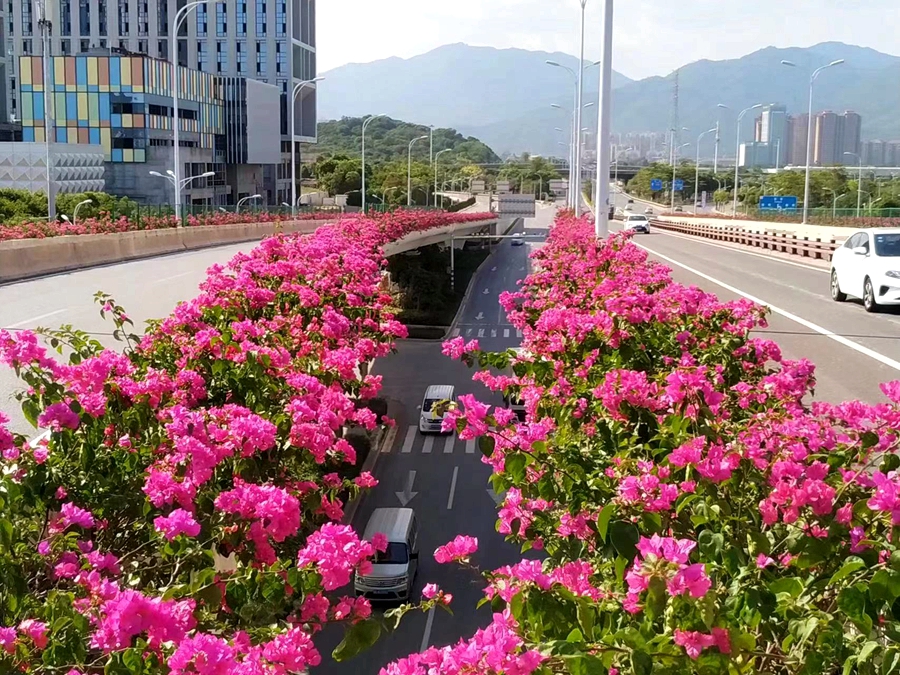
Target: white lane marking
[[37, 318], [493, 269], [506, 332], [840, 339], [493, 333], [455, 333], [449, 443], [481, 332], [518, 333], [426, 638], [470, 447], [521, 269], [468, 331], [429, 444], [452, 488], [175, 276], [740, 250], [389, 439], [409, 440]]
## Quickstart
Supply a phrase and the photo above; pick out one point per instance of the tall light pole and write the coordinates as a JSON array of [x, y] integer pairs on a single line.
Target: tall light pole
[[365, 124], [297, 89], [385, 193], [716, 159], [441, 152], [737, 154], [180, 16], [858, 183], [579, 107], [409, 169], [601, 203], [180, 184], [237, 209], [715, 130], [809, 130], [45, 22], [674, 167]]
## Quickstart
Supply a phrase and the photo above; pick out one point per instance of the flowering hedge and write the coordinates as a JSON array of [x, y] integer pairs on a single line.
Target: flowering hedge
[[182, 515], [695, 514], [108, 225]]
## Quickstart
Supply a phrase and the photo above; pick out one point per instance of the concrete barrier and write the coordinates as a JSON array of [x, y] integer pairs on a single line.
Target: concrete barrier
[[28, 258]]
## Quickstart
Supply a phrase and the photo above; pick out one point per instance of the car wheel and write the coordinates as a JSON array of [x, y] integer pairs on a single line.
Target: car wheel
[[869, 301], [836, 294]]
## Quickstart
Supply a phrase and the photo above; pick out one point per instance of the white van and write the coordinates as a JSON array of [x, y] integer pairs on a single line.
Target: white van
[[429, 422], [517, 405], [394, 571]]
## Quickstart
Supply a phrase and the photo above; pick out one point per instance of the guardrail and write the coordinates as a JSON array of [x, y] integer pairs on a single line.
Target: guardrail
[[805, 247]]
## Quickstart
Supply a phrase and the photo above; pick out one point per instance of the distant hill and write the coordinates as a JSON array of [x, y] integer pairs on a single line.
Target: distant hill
[[503, 97], [388, 140], [455, 85]]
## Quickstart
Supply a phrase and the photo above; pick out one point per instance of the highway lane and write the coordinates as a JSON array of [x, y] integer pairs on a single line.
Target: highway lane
[[452, 494], [147, 289], [853, 351]]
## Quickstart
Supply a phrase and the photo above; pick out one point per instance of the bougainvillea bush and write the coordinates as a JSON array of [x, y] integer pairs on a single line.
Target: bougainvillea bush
[[183, 513], [697, 514], [110, 225]]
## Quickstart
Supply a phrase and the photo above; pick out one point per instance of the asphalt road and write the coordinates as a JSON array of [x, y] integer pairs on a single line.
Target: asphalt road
[[853, 351], [452, 495]]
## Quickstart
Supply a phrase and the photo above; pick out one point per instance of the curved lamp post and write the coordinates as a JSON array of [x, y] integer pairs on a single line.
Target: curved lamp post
[[74, 220], [697, 165], [737, 155], [364, 125], [809, 129], [409, 168], [385, 193], [237, 209], [674, 167], [179, 185], [435, 174], [297, 89]]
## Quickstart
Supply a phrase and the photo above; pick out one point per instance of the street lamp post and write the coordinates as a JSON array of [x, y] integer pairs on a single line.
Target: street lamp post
[[579, 107], [674, 167], [409, 169], [180, 16], [385, 193], [45, 22], [179, 185], [366, 124], [737, 154], [715, 130], [716, 158], [858, 183], [297, 89], [237, 209], [74, 220], [809, 130], [604, 119], [441, 152]]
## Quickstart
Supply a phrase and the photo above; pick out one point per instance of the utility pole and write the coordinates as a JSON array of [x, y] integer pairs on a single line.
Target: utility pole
[[676, 133], [46, 27]]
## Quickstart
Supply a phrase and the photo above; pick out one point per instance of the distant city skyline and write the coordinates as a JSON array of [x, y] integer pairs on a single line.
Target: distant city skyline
[[651, 38]]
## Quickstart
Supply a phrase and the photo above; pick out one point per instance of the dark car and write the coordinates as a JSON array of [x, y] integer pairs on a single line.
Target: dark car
[[631, 201]]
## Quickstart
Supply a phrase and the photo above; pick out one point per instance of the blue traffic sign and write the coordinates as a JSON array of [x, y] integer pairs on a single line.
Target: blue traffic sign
[[778, 203], [656, 185], [678, 185]]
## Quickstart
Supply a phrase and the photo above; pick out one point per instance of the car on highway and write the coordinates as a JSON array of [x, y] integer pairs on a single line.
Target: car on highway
[[679, 209], [631, 201], [394, 570], [648, 211], [429, 420], [629, 206], [635, 222], [517, 240], [867, 266]]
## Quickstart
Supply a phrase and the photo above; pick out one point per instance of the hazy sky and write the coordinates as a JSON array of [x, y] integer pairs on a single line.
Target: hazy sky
[[652, 37]]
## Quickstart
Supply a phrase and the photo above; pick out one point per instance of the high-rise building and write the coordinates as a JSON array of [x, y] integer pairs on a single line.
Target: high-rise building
[[852, 129], [272, 41], [771, 131], [799, 134], [873, 153], [827, 139]]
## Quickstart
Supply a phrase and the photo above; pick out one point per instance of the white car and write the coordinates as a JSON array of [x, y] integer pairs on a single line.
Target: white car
[[637, 223], [867, 266]]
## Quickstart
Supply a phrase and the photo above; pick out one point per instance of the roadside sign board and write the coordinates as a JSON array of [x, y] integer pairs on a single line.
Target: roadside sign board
[[478, 185], [778, 203], [502, 186], [678, 185], [519, 206], [656, 185]]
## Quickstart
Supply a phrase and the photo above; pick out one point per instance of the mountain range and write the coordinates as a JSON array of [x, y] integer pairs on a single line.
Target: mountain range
[[504, 96]]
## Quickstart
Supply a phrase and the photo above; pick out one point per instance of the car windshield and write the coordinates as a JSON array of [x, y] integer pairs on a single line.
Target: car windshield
[[887, 245], [429, 404], [395, 554], [637, 218]]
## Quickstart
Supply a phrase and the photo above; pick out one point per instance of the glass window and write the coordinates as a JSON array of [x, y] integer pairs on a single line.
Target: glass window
[[163, 49], [203, 56], [221, 19], [241, 51], [395, 554], [887, 245], [124, 28], [65, 46], [26, 47], [240, 12], [221, 57], [143, 17], [85, 45], [262, 58], [281, 58], [101, 17], [27, 19], [162, 18], [202, 21], [84, 16], [280, 18], [65, 18], [261, 18]]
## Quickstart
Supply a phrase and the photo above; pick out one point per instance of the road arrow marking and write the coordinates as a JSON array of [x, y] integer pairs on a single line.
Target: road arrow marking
[[493, 269], [480, 316], [497, 498], [408, 495], [486, 291]]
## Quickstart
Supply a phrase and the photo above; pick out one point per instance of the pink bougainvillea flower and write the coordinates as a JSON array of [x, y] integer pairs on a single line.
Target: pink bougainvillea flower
[[458, 550]]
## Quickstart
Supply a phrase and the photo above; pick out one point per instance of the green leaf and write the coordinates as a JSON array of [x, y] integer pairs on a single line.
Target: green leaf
[[885, 586], [790, 585], [624, 537], [585, 616], [486, 445], [621, 564], [867, 650], [852, 602], [575, 636], [583, 664], [603, 519], [711, 544], [641, 663], [656, 598], [514, 467], [849, 567], [357, 639], [890, 662]]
